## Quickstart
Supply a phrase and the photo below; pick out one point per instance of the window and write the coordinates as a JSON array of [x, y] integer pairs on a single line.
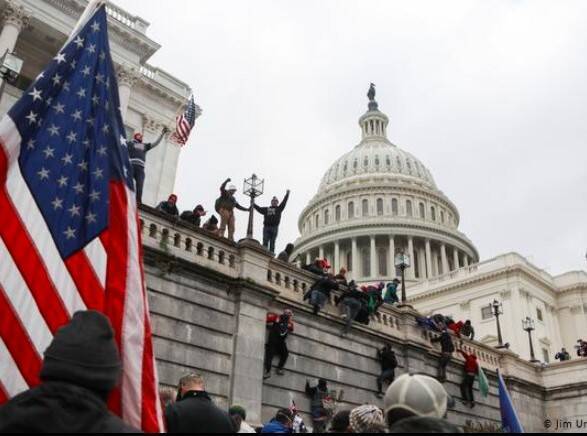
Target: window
[[433, 213], [422, 211], [377, 162], [326, 217], [317, 221], [337, 214], [382, 262], [409, 210], [351, 211], [366, 258], [394, 207], [366, 162], [486, 313], [379, 207], [365, 207], [539, 315], [388, 161]]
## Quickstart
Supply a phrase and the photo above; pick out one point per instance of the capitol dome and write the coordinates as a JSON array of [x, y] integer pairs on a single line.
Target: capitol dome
[[377, 201]]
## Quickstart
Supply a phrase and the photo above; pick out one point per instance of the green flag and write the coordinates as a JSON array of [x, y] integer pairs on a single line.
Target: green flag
[[483, 383]]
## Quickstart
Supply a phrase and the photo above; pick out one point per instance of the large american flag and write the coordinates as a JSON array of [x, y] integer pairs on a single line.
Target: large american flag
[[69, 235], [185, 123]]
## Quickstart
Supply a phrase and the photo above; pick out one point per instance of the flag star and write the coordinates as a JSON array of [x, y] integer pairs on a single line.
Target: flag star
[[95, 196], [57, 203], [49, 101], [86, 71], [106, 128], [60, 58], [66, 86], [87, 143], [98, 174], [107, 105], [36, 94], [44, 174], [91, 218], [79, 188], [92, 48], [91, 121], [31, 144], [100, 78], [72, 137], [77, 115], [73, 64], [79, 41], [32, 117], [49, 152], [81, 93], [102, 151], [40, 76], [53, 130], [125, 170], [108, 83], [96, 27], [67, 159], [59, 108], [69, 233], [95, 100], [83, 166], [57, 80], [62, 182], [102, 56], [74, 210], [123, 140]]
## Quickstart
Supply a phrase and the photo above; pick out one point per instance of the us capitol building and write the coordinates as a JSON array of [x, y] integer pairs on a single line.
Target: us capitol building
[[378, 201]]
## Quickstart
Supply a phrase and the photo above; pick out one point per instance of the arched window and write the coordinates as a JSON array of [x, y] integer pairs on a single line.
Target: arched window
[[356, 164], [382, 262], [409, 209], [442, 216], [394, 207], [351, 210], [433, 213], [317, 220], [337, 213], [326, 217], [366, 162], [388, 162], [365, 207], [366, 262], [379, 206], [422, 211], [349, 260], [377, 162]]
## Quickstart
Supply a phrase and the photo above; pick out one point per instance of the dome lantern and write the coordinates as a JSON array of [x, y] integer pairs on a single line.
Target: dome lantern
[[374, 123]]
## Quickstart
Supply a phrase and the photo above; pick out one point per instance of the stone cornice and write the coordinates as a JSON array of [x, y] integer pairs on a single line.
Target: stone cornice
[[14, 14]]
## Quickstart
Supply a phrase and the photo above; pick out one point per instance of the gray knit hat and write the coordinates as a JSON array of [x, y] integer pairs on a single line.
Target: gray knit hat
[[366, 419]]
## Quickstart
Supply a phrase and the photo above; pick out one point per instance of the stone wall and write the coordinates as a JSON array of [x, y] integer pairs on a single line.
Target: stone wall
[[209, 299]]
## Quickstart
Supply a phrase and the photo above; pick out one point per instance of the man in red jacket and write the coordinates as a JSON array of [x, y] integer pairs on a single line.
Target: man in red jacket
[[471, 371]]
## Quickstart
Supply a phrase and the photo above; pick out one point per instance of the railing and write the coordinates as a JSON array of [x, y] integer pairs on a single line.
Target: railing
[[132, 21], [166, 80]]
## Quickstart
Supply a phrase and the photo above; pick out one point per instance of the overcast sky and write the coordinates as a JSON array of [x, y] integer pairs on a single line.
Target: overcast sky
[[490, 95]]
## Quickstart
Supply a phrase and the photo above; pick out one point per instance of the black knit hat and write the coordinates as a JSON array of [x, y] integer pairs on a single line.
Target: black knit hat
[[84, 353]]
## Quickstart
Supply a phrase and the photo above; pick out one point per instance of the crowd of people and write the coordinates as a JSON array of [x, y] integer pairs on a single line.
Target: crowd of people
[[225, 206]]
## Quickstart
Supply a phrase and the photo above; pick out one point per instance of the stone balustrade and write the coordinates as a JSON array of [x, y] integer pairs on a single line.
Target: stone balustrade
[[132, 21]]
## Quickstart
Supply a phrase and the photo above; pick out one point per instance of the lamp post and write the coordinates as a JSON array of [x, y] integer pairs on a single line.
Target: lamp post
[[402, 261], [529, 326], [253, 188], [10, 68], [497, 310]]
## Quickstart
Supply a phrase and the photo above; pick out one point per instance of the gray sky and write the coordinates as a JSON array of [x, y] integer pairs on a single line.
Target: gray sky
[[490, 95]]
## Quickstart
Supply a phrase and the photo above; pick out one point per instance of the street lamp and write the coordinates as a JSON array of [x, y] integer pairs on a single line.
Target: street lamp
[[253, 188], [10, 68], [497, 309], [403, 262], [529, 326]]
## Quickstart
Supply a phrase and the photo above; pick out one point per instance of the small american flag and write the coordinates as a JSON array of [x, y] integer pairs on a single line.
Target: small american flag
[[186, 122], [70, 236]]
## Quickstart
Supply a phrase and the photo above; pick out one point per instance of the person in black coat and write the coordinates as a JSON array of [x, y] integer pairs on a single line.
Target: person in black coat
[[388, 360], [272, 220], [194, 217], [80, 369], [352, 300], [170, 206], [137, 152], [194, 411], [447, 348], [320, 292]]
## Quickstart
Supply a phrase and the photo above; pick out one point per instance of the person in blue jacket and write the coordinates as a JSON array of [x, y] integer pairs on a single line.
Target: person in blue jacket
[[282, 423]]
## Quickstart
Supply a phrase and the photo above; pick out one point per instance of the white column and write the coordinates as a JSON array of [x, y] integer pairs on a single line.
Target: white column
[[374, 263], [321, 252], [457, 263], [336, 260], [127, 78], [434, 263], [428, 259], [391, 260], [411, 272], [15, 19], [444, 259], [422, 263], [355, 259], [308, 258]]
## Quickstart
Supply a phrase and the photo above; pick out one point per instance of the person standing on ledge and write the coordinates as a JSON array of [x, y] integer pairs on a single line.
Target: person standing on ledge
[[272, 220], [225, 205], [137, 151]]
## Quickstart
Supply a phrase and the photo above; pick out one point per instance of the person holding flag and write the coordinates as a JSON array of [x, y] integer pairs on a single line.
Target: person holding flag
[[70, 238]]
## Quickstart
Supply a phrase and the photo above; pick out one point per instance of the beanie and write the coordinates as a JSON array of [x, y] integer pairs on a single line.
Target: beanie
[[238, 410], [364, 418], [84, 353], [415, 395]]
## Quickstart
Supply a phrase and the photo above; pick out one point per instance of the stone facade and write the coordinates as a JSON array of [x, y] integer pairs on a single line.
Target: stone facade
[[209, 298]]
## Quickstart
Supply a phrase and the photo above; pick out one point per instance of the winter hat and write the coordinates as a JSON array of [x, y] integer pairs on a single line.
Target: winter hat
[[364, 418], [232, 188], [138, 136], [84, 353], [238, 410], [199, 208], [415, 395]]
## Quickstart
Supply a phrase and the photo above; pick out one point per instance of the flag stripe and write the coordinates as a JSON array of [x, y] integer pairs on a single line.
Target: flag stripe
[[98, 260], [18, 343], [11, 381], [85, 279], [21, 301]]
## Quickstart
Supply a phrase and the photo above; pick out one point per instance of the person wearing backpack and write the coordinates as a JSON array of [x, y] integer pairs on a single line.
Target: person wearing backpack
[[388, 362]]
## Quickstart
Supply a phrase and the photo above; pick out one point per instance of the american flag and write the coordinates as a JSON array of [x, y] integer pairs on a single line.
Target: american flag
[[186, 122], [69, 238]]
